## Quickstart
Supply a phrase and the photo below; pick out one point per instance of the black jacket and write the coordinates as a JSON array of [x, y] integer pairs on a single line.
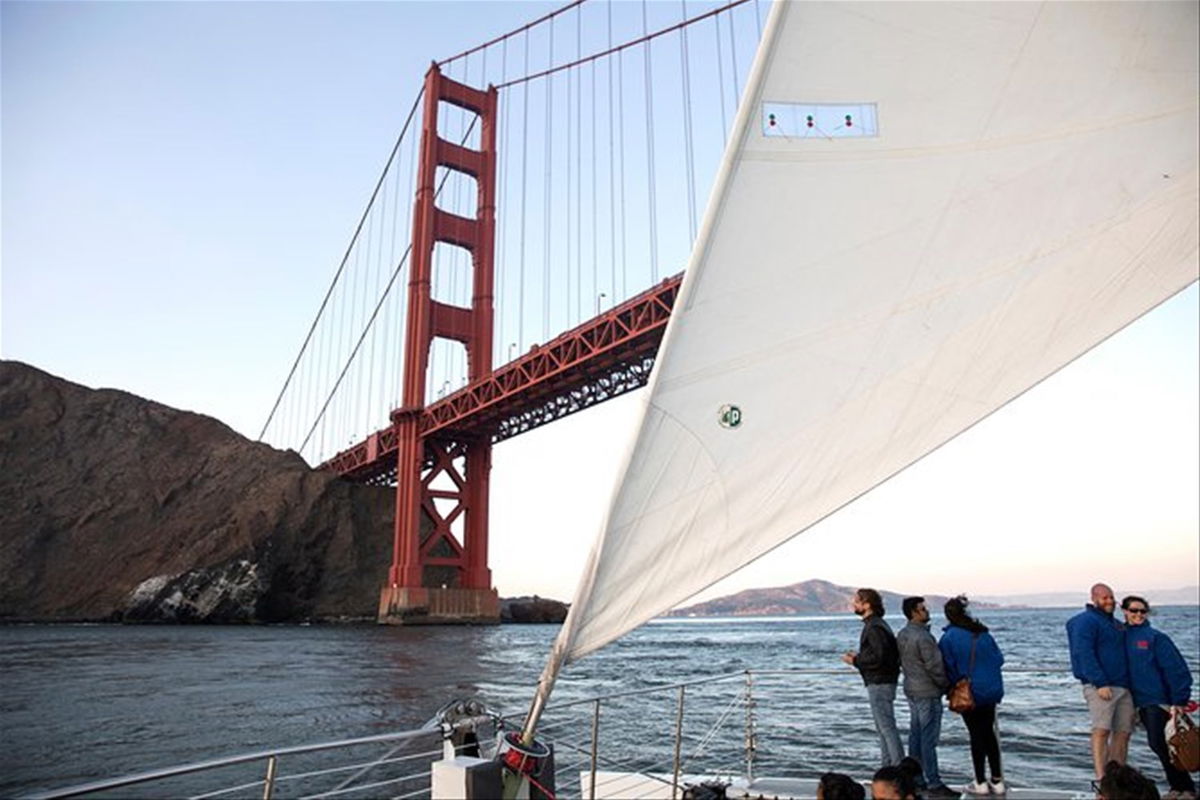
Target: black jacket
[[878, 659]]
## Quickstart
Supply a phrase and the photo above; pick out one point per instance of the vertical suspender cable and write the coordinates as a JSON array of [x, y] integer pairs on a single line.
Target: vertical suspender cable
[[572, 97], [595, 231], [578, 167], [721, 79], [612, 173], [549, 110], [621, 170], [687, 125], [524, 218], [370, 404], [499, 259], [650, 150], [337, 275]]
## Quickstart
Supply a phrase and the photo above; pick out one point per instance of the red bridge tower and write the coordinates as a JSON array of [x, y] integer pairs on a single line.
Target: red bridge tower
[[434, 578]]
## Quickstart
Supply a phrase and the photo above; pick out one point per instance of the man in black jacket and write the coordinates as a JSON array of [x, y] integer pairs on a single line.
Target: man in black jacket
[[878, 661]]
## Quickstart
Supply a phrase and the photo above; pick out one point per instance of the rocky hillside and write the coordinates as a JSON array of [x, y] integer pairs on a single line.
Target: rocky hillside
[[806, 597], [114, 507]]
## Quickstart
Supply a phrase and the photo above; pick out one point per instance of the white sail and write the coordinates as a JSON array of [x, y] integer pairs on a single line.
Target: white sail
[[1021, 184]]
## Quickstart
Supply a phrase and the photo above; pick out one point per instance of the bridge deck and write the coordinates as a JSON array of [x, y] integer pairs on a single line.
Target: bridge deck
[[595, 361]]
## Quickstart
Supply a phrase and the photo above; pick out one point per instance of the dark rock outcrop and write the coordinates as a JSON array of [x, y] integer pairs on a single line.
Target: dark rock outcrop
[[115, 507], [532, 609]]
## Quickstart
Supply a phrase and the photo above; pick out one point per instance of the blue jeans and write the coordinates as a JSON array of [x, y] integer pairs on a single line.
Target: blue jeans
[[883, 699], [924, 730]]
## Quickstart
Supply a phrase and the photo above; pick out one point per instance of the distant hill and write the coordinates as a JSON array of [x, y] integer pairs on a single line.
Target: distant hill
[[823, 597], [806, 597]]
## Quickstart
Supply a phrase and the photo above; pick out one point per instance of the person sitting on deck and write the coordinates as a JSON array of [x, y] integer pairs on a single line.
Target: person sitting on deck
[[896, 783], [836, 786], [1123, 782]]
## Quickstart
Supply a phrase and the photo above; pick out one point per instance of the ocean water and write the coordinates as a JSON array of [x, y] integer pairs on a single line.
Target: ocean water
[[81, 703]]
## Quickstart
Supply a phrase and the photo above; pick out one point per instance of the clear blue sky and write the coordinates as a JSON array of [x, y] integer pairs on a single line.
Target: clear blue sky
[[180, 180]]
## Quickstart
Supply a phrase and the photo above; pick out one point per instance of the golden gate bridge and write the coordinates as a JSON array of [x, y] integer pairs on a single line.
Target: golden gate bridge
[[555, 185]]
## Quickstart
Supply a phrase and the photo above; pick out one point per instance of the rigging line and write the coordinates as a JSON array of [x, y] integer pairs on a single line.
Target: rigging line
[[516, 31], [404, 130], [625, 46], [649, 82], [687, 125]]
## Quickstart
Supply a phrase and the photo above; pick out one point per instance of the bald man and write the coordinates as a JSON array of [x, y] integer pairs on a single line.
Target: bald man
[[1098, 660]]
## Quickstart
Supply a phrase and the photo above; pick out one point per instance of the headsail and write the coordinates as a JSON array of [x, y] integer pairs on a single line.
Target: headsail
[[1022, 184]]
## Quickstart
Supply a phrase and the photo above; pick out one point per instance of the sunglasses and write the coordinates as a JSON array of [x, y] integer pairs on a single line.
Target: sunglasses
[[1137, 610]]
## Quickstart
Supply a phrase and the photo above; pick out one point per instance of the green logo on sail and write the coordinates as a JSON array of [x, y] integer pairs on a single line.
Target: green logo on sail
[[730, 416]]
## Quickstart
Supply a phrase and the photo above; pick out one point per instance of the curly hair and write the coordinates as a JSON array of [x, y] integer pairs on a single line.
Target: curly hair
[[956, 613]]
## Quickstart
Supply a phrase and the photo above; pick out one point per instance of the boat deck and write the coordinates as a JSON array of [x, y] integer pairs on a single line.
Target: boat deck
[[658, 787]]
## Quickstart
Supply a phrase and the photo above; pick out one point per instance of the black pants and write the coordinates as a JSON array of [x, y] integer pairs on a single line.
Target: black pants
[[1154, 718], [981, 727]]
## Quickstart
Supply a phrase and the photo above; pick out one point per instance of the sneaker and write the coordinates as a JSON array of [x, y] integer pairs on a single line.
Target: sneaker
[[997, 786], [977, 788], [942, 791]]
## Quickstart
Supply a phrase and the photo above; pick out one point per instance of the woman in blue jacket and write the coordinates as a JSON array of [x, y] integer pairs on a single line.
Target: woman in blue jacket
[[962, 637], [1160, 681]]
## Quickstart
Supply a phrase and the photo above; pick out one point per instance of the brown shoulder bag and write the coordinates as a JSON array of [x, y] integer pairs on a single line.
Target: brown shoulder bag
[[961, 697], [1183, 742]]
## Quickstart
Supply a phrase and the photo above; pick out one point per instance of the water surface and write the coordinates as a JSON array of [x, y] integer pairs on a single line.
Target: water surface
[[86, 702]]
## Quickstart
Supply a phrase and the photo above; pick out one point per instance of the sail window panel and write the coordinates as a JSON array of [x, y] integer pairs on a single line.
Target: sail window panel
[[820, 120]]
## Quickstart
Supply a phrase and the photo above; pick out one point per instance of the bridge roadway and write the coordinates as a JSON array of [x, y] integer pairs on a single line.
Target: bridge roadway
[[600, 359]]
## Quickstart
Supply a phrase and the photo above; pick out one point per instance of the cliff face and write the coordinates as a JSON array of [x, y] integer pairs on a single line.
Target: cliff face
[[115, 507]]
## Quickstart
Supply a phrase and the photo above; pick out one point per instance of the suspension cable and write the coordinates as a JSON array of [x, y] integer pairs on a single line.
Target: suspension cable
[[329, 292], [514, 32], [625, 46], [375, 313]]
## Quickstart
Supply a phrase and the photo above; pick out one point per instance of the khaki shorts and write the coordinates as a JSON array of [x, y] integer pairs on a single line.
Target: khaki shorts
[[1110, 715]]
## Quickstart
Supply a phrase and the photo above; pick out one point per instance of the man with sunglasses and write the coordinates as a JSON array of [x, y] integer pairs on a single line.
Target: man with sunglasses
[[1161, 684], [1097, 643]]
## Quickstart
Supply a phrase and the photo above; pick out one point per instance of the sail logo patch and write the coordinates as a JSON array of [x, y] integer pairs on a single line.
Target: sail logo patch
[[730, 416], [820, 120]]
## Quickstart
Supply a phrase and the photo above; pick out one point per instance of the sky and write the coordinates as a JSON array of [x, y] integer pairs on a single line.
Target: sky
[[179, 180]]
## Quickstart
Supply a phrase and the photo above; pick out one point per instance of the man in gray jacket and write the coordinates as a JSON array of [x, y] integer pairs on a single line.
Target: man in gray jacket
[[924, 684]]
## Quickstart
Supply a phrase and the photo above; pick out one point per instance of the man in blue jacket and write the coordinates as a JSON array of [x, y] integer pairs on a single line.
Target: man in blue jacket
[[1097, 643]]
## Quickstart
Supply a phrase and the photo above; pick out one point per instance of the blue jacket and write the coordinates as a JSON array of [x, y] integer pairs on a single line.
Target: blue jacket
[[1158, 675], [987, 685], [1097, 648]]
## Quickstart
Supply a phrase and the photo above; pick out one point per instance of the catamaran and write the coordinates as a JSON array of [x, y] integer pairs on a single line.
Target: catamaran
[[924, 209]]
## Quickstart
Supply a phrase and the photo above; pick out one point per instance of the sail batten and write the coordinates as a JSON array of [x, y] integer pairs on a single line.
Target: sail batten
[[856, 300]]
